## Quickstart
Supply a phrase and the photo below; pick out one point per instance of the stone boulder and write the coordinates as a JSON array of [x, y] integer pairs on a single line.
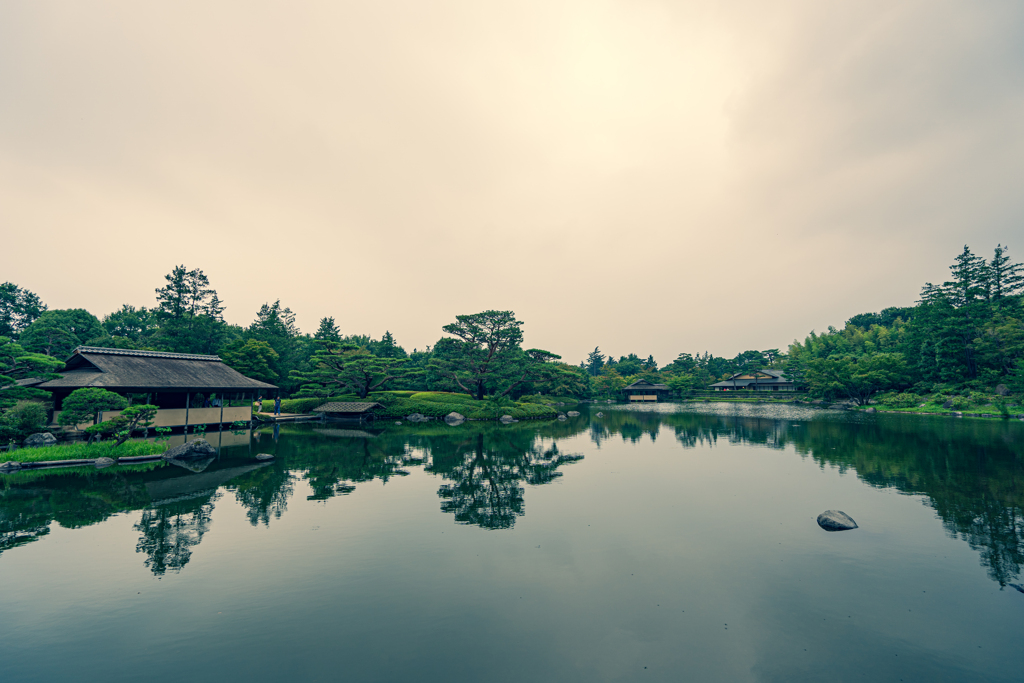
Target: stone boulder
[[416, 417], [573, 413], [600, 415], [197, 448], [561, 416], [948, 404], [264, 456], [1002, 390], [41, 439], [507, 419], [10, 466], [103, 462], [836, 520], [871, 410], [454, 418]]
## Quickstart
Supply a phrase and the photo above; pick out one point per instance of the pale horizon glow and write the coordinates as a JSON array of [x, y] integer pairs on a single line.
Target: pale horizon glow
[[650, 177]]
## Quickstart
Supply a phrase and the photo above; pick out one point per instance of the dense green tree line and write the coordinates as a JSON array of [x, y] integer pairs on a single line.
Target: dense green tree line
[[964, 335]]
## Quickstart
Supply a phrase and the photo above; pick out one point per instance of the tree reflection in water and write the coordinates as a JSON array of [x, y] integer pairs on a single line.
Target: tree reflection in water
[[971, 471], [171, 531], [486, 477]]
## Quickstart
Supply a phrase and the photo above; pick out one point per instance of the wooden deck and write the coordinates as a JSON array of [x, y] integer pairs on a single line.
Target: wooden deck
[[288, 417]]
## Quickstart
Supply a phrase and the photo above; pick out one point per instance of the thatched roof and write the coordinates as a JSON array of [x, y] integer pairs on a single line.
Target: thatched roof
[[344, 407], [132, 371]]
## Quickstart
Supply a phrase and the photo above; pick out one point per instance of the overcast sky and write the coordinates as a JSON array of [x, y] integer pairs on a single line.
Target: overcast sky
[[650, 177]]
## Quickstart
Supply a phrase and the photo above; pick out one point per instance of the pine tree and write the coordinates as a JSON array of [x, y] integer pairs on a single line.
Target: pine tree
[[1005, 278], [327, 331], [595, 361]]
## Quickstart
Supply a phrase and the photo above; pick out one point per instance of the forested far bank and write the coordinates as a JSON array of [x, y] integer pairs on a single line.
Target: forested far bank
[[963, 341]]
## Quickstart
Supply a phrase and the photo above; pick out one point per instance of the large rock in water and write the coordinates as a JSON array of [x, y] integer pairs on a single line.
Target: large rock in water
[[41, 439], [836, 520], [573, 413], [507, 419], [104, 462], [454, 418], [416, 417], [197, 448]]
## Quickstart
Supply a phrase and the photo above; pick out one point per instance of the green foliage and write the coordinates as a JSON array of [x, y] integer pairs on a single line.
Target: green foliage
[[857, 378], [544, 399], [123, 425], [18, 309], [189, 313], [594, 362], [83, 404], [439, 404], [26, 417], [328, 331], [135, 325], [57, 333], [960, 402], [252, 358], [483, 355], [387, 347], [344, 366], [608, 383], [83, 451], [16, 363], [966, 332], [903, 400]]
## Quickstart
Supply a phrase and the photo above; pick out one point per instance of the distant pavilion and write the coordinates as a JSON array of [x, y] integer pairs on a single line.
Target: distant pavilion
[[642, 390], [761, 380]]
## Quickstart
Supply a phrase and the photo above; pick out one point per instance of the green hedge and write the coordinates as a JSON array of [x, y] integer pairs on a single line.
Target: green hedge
[[439, 404], [568, 401]]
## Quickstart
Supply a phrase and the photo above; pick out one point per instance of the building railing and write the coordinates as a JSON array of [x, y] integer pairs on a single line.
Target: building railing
[[180, 417]]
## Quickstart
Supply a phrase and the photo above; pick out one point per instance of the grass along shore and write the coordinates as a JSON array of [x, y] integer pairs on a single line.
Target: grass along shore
[[85, 451]]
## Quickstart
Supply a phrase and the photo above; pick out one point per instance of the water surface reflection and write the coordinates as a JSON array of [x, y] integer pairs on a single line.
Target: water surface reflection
[[971, 472]]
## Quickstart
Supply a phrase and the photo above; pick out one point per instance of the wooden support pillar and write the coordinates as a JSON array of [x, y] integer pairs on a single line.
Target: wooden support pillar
[[188, 404], [222, 411]]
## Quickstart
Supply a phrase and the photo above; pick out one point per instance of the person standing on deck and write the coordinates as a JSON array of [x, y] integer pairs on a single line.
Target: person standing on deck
[[277, 405]]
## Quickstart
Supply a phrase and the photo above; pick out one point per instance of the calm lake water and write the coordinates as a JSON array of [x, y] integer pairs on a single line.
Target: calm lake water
[[655, 543]]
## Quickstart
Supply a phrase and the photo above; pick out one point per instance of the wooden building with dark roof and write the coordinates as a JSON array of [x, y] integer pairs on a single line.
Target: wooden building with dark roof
[[643, 390], [761, 380], [169, 380]]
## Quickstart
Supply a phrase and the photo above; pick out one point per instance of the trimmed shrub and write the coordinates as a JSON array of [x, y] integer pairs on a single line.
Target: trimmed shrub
[[900, 400]]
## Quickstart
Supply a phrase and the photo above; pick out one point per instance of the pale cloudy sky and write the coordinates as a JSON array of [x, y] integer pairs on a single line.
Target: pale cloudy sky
[[653, 177]]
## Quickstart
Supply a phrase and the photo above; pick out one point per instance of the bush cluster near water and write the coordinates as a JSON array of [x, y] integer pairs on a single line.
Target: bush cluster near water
[[946, 399], [398, 404]]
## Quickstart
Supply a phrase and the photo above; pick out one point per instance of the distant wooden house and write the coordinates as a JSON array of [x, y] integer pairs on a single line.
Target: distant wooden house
[[761, 380], [643, 390], [168, 380]]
